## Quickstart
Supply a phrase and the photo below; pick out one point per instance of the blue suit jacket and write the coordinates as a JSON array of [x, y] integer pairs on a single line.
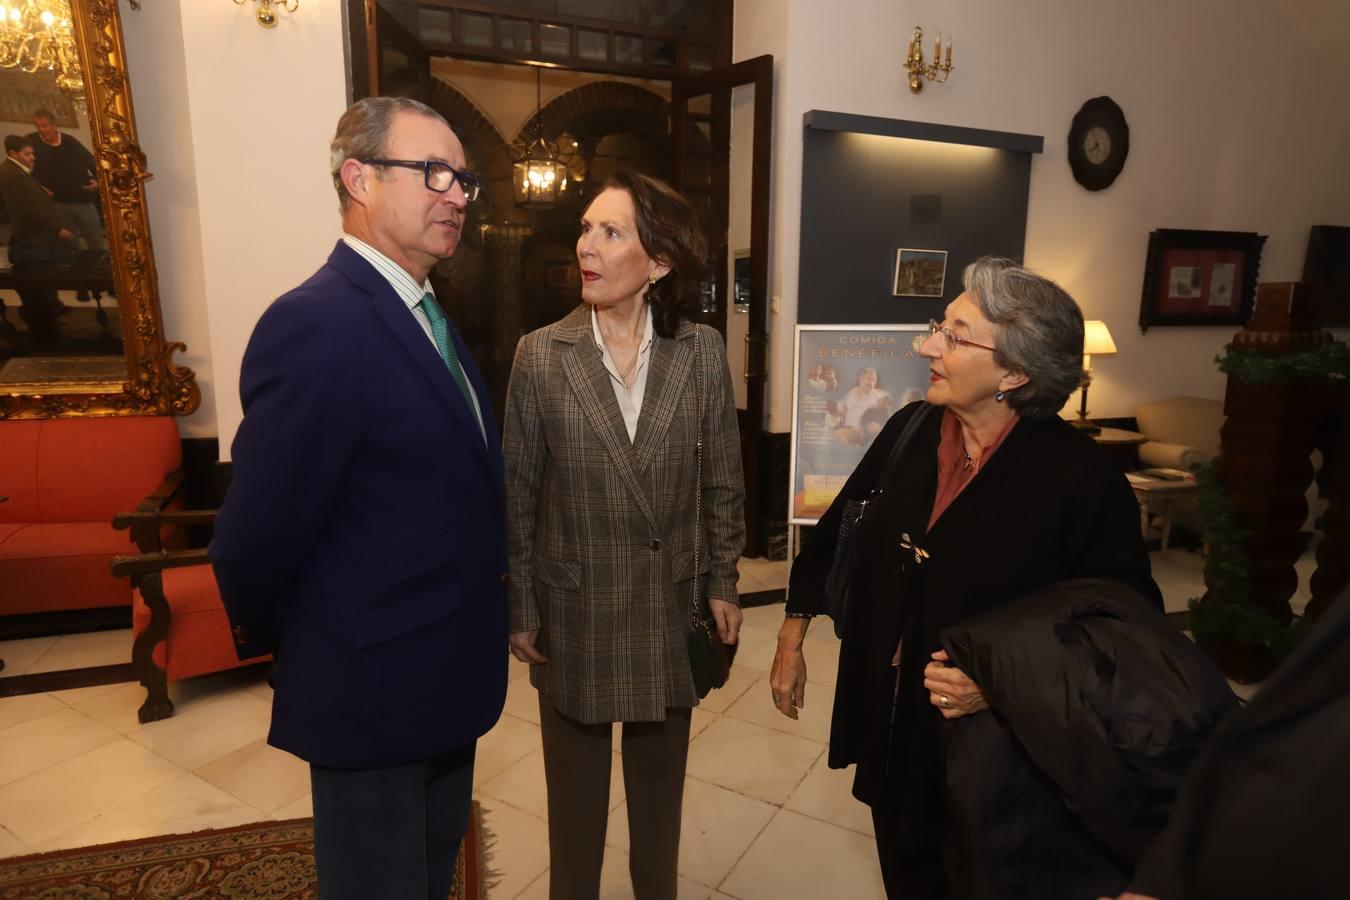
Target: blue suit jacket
[[362, 538]]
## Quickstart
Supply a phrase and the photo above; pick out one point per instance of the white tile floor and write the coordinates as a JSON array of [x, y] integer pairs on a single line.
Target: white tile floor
[[764, 816]]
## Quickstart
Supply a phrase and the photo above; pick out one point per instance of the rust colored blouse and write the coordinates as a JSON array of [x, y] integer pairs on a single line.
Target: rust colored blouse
[[955, 469]]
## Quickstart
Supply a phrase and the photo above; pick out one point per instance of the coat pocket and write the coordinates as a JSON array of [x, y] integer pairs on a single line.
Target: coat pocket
[[425, 583], [557, 573]]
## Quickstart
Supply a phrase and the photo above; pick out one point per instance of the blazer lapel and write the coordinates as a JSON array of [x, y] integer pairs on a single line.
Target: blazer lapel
[[672, 363], [479, 387], [400, 321], [590, 383]]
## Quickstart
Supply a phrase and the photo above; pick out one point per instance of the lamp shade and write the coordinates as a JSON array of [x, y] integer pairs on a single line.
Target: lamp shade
[[1097, 339]]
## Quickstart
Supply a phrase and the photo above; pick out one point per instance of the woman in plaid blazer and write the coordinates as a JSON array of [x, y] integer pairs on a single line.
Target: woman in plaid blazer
[[601, 466]]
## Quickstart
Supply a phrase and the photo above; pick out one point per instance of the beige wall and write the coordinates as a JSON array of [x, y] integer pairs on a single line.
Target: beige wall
[[1233, 118], [235, 121]]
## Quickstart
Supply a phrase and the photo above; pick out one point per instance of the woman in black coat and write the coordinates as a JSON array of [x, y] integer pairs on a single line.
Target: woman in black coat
[[993, 497]]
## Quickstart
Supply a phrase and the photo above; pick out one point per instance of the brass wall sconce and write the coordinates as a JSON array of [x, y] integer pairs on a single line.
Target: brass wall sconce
[[937, 70], [267, 15]]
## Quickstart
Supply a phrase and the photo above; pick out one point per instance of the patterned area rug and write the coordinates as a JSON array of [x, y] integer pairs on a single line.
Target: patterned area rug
[[259, 861]]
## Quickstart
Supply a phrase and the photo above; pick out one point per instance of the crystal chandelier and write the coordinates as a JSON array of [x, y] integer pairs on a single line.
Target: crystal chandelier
[[37, 34]]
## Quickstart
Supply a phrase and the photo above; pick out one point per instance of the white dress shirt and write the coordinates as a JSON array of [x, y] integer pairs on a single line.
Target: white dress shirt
[[411, 294], [630, 398]]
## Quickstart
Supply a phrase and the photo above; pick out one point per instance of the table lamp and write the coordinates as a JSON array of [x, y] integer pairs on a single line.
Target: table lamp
[[1096, 342]]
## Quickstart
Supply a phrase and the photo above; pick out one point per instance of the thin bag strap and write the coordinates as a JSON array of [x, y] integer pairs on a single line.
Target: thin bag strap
[[902, 443], [698, 478]]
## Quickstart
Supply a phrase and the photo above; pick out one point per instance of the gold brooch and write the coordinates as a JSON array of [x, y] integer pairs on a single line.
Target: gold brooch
[[907, 543]]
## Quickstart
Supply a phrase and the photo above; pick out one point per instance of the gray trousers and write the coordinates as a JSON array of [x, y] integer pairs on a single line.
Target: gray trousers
[[87, 222], [577, 762]]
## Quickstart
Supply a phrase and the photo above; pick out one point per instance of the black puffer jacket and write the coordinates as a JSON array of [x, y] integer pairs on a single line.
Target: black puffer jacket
[[1099, 707]]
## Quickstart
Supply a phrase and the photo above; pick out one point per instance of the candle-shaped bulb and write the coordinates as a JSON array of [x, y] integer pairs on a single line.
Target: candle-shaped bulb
[[949, 50], [937, 51]]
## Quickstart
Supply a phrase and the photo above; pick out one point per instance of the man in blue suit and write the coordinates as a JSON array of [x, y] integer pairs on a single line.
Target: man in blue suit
[[362, 540]]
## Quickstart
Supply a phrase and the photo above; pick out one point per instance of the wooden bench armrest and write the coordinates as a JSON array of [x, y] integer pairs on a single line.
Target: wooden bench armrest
[[147, 563]]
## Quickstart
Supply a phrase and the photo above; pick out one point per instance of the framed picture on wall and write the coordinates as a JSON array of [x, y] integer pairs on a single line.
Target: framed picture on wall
[[23, 93], [848, 380], [919, 273], [1327, 269], [1200, 277]]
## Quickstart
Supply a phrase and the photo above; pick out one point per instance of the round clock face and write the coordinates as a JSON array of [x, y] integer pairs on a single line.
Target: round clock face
[[1097, 145], [1099, 141]]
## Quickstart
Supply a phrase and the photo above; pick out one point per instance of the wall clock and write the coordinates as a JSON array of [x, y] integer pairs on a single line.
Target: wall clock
[[1099, 141]]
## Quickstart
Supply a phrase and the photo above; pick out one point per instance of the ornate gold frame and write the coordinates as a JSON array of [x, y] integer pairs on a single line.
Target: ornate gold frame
[[154, 384]]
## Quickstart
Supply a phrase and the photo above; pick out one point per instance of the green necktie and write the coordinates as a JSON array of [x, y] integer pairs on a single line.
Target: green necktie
[[440, 330]]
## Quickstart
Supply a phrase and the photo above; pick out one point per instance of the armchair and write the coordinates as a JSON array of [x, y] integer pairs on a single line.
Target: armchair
[[1182, 432], [180, 626]]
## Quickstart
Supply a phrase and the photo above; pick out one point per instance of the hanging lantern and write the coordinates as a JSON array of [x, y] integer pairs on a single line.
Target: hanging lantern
[[539, 176]]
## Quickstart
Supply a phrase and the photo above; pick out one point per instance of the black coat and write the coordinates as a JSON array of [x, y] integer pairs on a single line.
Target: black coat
[[1100, 706], [1047, 506], [1262, 813]]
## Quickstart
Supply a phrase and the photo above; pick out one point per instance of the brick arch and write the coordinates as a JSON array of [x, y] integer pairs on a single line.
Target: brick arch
[[604, 107], [488, 153], [596, 110]]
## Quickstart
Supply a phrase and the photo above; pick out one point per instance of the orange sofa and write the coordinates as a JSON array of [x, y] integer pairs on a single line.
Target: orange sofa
[[65, 480]]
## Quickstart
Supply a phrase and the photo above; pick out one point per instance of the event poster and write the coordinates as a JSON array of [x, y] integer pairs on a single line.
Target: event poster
[[849, 379]]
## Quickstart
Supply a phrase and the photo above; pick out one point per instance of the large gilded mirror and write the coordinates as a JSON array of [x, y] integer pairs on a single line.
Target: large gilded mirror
[[81, 332]]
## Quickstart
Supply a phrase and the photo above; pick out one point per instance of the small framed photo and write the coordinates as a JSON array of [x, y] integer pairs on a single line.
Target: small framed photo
[[1200, 277], [919, 273], [1327, 269]]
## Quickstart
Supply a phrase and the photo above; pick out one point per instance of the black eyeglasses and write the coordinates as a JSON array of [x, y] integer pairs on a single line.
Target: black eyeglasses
[[950, 339], [438, 176]]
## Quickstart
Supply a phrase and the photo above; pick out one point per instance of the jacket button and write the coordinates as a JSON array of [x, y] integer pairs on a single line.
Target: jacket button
[[656, 544], [505, 577]]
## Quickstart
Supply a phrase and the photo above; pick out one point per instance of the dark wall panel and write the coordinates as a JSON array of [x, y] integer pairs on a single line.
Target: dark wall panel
[[864, 196]]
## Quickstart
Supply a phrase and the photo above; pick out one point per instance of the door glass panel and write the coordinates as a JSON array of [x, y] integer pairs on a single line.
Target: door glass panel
[[516, 36], [435, 25], [592, 45], [554, 40], [475, 30], [661, 52], [628, 48]]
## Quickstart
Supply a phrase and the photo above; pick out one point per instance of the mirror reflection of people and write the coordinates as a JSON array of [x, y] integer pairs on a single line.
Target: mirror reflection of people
[[66, 169], [41, 235], [996, 496], [602, 416]]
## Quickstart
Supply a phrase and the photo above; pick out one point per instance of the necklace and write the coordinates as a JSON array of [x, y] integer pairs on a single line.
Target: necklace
[[970, 462], [628, 371]]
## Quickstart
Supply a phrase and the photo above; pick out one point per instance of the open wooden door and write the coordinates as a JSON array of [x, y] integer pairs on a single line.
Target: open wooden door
[[701, 118], [387, 59]]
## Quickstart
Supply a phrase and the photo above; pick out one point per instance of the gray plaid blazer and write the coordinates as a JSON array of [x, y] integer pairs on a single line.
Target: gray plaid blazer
[[601, 529]]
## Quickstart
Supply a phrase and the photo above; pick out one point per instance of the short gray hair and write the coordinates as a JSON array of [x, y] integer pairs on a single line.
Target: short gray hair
[[363, 131], [1038, 332]]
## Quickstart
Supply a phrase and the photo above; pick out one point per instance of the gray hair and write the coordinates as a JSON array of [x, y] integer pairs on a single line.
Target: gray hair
[[1039, 332], [363, 131]]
